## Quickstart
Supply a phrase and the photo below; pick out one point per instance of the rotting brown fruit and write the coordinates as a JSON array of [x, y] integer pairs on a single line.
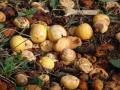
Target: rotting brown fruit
[[21, 79], [55, 86], [46, 46], [28, 55], [21, 22], [84, 65], [101, 73], [97, 84], [74, 42], [83, 85]]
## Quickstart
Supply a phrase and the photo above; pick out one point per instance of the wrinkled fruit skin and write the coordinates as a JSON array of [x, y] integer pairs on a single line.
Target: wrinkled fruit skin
[[28, 55], [17, 43], [38, 33], [46, 46], [70, 82], [84, 65], [56, 32], [21, 22], [47, 62], [84, 31], [61, 44]]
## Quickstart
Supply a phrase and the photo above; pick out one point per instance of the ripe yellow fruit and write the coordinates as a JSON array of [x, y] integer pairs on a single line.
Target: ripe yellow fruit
[[17, 43], [47, 62], [56, 32], [38, 33], [84, 31], [70, 82], [2, 17], [100, 17]]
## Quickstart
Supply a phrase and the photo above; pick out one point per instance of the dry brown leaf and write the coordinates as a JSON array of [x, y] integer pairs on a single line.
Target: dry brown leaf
[[103, 49], [67, 3], [9, 32]]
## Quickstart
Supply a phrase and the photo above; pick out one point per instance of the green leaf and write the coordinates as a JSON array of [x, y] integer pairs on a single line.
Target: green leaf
[[27, 12], [19, 88], [54, 3], [36, 81], [115, 63], [21, 14], [9, 65]]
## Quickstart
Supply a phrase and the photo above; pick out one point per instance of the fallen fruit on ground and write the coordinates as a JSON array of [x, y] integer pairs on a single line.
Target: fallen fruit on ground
[[17, 43], [84, 31], [70, 82]]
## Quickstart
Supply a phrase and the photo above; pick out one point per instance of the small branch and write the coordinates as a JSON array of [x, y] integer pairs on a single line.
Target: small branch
[[80, 12]]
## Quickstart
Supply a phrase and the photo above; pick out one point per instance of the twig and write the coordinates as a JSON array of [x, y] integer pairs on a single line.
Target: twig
[[81, 12]]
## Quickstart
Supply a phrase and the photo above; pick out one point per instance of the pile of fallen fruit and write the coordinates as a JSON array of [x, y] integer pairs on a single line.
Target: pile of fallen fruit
[[59, 45]]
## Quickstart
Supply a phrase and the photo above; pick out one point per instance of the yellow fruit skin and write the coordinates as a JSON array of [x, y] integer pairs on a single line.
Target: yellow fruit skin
[[38, 33], [101, 17], [70, 82], [17, 43], [47, 62], [84, 31], [56, 32]]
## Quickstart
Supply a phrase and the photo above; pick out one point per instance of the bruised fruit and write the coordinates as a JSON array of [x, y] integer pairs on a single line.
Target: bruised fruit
[[21, 22], [101, 22], [61, 44]]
